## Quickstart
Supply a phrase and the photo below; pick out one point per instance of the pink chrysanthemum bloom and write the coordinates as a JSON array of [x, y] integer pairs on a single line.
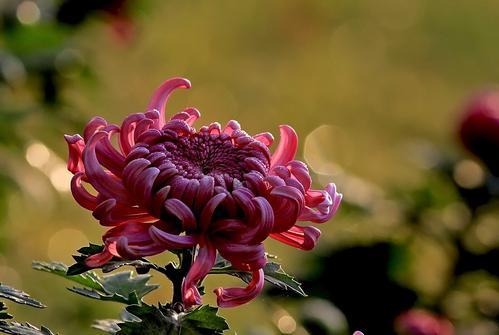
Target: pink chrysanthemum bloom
[[219, 189]]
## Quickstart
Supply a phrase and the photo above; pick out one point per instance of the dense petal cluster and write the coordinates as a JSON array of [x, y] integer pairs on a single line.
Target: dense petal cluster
[[217, 189], [479, 128]]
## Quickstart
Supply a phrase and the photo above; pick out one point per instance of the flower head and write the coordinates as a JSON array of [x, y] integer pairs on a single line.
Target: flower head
[[479, 129], [169, 186]]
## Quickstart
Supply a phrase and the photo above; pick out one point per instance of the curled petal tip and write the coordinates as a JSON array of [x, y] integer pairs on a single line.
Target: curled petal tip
[[288, 144], [160, 97], [236, 296]]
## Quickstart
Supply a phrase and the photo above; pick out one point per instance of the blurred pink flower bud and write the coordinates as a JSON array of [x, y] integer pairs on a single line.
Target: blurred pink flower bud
[[422, 322], [479, 129]]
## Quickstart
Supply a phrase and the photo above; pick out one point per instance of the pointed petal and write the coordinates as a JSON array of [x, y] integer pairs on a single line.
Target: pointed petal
[[160, 97], [287, 147]]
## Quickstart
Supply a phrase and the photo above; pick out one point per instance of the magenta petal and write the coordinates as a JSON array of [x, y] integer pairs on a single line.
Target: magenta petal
[[99, 259], [141, 127], [232, 297], [127, 132], [325, 209], [209, 209], [189, 115], [231, 127], [132, 171], [300, 171], [304, 238], [265, 138], [287, 202], [182, 212], [109, 214], [142, 187], [160, 97], [287, 147], [75, 147], [171, 241], [263, 222], [205, 259], [95, 124], [243, 198], [104, 183], [80, 194], [245, 257], [108, 156]]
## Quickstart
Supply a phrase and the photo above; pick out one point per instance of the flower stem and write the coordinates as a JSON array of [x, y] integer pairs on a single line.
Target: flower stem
[[176, 274]]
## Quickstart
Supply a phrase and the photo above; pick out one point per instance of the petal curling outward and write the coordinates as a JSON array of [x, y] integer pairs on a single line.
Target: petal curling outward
[[304, 238], [205, 259], [166, 186], [232, 297], [287, 147], [162, 94]]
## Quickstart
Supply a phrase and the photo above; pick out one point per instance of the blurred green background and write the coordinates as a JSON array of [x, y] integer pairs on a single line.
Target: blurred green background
[[362, 82]]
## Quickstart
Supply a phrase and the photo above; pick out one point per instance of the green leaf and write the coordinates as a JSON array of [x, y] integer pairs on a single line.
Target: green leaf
[[274, 274], [204, 319], [109, 326], [120, 287], [123, 284], [165, 321], [130, 299], [18, 296], [141, 265], [152, 322], [3, 314], [16, 328], [89, 279]]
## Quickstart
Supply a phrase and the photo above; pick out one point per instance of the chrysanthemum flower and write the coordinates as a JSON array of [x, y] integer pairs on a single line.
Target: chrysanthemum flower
[[169, 186]]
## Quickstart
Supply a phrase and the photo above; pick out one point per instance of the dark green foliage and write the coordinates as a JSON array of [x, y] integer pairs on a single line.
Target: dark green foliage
[[80, 267], [165, 321], [3, 312], [16, 328], [18, 296]]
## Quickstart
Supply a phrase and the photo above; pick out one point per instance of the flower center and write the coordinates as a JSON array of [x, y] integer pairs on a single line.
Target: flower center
[[198, 154]]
